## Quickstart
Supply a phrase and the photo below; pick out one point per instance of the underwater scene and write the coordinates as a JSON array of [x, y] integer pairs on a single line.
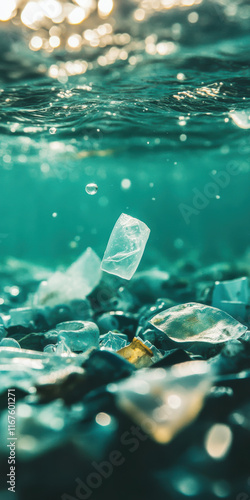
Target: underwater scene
[[125, 249]]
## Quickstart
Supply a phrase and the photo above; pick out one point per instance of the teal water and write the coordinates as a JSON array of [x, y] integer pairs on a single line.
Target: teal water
[[150, 103], [165, 122]]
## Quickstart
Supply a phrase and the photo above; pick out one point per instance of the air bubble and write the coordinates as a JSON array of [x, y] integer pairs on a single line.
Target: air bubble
[[91, 188], [52, 130]]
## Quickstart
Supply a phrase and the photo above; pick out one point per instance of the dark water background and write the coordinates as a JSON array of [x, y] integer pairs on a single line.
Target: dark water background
[[129, 121]]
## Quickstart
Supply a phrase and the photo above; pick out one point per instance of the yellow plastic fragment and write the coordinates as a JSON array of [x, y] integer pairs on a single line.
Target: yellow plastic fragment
[[137, 353]]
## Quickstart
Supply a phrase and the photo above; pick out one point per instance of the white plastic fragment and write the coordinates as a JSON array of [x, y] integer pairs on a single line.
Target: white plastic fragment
[[193, 322], [75, 283], [125, 247]]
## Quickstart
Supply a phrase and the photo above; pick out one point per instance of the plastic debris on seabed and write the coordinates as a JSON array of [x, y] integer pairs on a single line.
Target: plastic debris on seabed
[[61, 348], [125, 247], [113, 341], [24, 369], [9, 342], [232, 296], [137, 353], [157, 355], [163, 402], [21, 316], [75, 283], [78, 335], [193, 322]]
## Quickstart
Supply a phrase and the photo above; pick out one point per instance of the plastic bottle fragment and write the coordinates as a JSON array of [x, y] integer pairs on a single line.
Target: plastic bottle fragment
[[193, 322], [125, 247]]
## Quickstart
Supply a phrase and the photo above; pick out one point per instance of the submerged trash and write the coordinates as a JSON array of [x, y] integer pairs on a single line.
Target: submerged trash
[[125, 247], [82, 372], [163, 402], [74, 284], [232, 296], [137, 353], [113, 341], [78, 336], [157, 355], [8, 342], [62, 348], [25, 368], [20, 317], [232, 290], [91, 188], [195, 322]]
